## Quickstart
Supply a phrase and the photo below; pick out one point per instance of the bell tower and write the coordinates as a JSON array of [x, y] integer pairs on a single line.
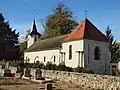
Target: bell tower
[[33, 35]]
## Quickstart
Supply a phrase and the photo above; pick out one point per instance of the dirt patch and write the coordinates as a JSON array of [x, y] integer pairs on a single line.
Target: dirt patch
[[7, 83], [13, 81], [60, 85]]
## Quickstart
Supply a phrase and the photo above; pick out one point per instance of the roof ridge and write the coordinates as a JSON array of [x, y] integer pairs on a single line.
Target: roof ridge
[[85, 21], [52, 37], [47, 44], [86, 30]]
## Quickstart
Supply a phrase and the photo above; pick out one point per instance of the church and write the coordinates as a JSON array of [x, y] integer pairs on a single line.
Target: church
[[85, 46]]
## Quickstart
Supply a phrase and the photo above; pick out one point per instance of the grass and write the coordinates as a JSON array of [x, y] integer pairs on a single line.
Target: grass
[[2, 89]]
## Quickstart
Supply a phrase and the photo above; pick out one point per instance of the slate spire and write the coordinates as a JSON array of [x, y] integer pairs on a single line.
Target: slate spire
[[34, 29]]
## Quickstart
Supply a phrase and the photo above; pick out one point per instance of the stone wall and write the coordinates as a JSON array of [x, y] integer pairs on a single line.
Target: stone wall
[[101, 66], [86, 80], [105, 82]]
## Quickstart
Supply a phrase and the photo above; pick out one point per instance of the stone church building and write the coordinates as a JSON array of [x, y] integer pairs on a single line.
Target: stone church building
[[85, 46]]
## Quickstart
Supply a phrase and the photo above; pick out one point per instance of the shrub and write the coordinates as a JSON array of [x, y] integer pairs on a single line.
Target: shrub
[[61, 67], [38, 65], [79, 69], [30, 65], [15, 63], [83, 70], [87, 71], [54, 67], [69, 69], [41, 65], [49, 66], [116, 72]]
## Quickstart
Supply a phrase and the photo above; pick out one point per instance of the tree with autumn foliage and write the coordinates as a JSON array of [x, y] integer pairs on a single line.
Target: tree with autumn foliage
[[60, 22]]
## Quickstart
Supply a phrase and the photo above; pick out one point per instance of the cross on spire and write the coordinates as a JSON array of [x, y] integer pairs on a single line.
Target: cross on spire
[[34, 13], [34, 10], [60, 1], [86, 13]]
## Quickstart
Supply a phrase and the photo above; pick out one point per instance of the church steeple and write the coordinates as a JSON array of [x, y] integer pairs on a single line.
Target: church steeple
[[34, 30], [33, 35]]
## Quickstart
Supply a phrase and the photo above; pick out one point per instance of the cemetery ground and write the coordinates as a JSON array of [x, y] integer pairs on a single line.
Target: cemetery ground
[[11, 83]]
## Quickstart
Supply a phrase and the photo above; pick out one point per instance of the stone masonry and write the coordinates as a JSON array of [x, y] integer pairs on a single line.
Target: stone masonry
[[105, 82]]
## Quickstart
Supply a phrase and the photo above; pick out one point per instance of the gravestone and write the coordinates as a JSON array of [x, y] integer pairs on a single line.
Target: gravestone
[[48, 86], [7, 65], [19, 72], [1, 72], [3, 66], [38, 74], [27, 72], [17, 75], [7, 73]]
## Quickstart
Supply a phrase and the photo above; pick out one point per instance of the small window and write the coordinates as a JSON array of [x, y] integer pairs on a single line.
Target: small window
[[44, 59], [26, 58], [97, 53], [54, 58], [70, 52], [35, 38]]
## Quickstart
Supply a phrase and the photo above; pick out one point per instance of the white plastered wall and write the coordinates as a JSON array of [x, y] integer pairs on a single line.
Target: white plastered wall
[[31, 40], [39, 56], [76, 46], [118, 64]]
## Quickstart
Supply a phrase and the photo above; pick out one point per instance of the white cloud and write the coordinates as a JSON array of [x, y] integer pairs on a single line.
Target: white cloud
[[22, 38]]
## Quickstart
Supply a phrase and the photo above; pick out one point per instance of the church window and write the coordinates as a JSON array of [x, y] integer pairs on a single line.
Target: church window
[[54, 58], [35, 38], [44, 59], [97, 53], [36, 58], [26, 58], [70, 52]]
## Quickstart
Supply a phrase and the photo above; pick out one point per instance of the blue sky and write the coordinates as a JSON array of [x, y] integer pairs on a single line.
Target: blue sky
[[101, 13]]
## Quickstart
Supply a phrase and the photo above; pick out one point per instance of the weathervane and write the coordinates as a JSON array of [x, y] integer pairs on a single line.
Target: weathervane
[[34, 13], [86, 12], [59, 3]]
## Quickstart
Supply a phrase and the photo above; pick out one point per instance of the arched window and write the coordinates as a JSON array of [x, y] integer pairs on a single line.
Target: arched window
[[44, 58], [54, 58], [70, 52], [97, 53], [35, 38], [36, 59]]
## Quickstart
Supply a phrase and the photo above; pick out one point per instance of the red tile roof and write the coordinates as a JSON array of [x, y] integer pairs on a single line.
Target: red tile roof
[[86, 30]]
